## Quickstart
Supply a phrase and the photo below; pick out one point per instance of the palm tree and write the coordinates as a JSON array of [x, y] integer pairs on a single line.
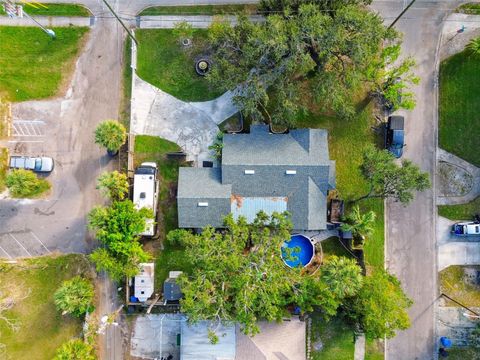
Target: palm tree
[[343, 276], [474, 46], [361, 225], [112, 135], [113, 184]]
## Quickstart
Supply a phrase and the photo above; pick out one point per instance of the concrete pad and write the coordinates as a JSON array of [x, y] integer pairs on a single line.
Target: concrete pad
[[155, 336], [454, 41], [154, 112], [458, 253], [452, 323]]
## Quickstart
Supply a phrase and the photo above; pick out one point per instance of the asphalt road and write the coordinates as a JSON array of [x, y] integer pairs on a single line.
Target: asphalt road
[[411, 242]]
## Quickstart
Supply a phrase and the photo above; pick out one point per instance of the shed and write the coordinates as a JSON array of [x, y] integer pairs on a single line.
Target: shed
[[171, 290], [143, 282]]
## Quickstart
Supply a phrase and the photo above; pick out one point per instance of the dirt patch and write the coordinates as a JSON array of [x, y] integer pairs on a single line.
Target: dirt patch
[[453, 180]]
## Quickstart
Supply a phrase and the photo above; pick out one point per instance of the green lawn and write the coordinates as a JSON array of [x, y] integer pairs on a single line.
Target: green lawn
[[200, 9], [464, 353], [470, 8], [460, 212], [57, 10], [460, 106], [126, 84], [346, 141], [42, 327], [164, 62], [34, 66], [336, 336], [452, 283]]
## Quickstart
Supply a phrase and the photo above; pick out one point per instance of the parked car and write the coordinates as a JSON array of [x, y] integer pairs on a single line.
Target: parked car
[[466, 228], [37, 164], [395, 135]]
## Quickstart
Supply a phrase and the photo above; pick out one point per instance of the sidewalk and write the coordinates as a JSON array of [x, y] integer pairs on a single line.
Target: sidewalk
[[197, 21]]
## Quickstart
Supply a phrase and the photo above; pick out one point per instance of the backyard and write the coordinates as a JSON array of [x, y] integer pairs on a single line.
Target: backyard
[[28, 53], [165, 63], [41, 327], [460, 106]]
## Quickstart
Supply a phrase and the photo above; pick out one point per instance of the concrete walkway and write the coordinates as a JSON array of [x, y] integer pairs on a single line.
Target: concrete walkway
[[454, 42], [197, 21], [447, 157], [48, 21], [359, 353]]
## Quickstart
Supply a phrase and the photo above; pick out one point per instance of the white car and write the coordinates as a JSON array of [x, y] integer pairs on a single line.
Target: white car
[[37, 164], [466, 228]]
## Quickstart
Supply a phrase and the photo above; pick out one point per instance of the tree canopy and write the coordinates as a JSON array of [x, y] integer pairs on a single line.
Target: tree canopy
[[302, 52], [381, 306], [238, 274], [75, 349], [111, 135], [75, 296], [117, 227], [113, 184], [387, 179]]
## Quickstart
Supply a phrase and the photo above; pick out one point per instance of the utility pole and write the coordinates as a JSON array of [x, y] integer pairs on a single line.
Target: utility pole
[[401, 14], [121, 22]]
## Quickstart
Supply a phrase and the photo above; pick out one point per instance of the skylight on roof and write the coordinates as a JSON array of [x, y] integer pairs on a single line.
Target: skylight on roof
[[290, 172], [249, 172], [203, 204]]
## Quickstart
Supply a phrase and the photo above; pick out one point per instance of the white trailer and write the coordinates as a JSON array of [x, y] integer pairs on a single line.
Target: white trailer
[[145, 193]]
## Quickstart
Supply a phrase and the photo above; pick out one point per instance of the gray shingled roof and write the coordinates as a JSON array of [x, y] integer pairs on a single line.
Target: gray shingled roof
[[269, 157]]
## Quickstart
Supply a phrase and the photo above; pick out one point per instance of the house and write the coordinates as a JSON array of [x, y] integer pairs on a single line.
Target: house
[[143, 282], [261, 171]]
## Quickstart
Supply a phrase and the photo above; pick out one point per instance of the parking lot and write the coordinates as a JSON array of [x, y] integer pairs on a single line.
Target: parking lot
[[21, 244]]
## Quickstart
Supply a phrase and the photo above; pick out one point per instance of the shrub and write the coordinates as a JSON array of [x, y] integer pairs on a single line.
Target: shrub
[[25, 183], [75, 296], [75, 349]]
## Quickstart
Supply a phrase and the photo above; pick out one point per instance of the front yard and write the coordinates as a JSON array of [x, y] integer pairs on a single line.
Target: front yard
[[461, 284], [460, 212], [41, 327], [460, 106], [28, 53], [346, 141], [164, 62], [200, 9]]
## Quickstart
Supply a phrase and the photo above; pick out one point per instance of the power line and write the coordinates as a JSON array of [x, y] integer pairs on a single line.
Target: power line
[[120, 21]]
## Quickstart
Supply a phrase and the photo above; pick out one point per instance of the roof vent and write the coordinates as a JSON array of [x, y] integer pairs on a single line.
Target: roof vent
[[290, 172], [203, 204], [249, 172]]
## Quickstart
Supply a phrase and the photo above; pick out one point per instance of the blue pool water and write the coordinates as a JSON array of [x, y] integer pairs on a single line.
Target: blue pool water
[[301, 251]]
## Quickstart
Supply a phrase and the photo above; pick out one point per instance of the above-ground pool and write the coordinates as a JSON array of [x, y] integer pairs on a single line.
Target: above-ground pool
[[305, 252]]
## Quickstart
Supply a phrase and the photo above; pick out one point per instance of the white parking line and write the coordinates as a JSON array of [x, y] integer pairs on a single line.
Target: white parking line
[[23, 247], [26, 141], [5, 252], [31, 128], [36, 237]]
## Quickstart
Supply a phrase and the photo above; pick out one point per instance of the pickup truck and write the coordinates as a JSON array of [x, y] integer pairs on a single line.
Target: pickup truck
[[395, 135], [466, 228], [37, 164]]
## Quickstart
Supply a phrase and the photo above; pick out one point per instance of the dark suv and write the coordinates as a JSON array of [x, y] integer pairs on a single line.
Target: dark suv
[[395, 135]]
